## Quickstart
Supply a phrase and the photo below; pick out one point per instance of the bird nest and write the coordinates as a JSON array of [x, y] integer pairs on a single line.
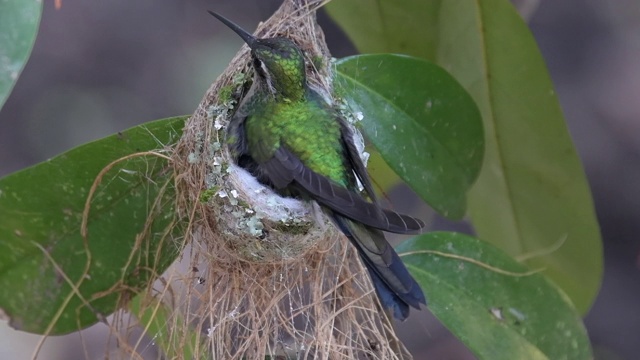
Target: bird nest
[[262, 276]]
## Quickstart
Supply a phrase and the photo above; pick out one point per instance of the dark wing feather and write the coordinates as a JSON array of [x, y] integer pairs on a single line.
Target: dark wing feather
[[236, 137], [353, 156], [285, 169], [360, 170], [281, 169]]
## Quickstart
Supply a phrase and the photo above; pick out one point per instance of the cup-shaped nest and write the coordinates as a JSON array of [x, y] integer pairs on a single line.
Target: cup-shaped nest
[[274, 276]]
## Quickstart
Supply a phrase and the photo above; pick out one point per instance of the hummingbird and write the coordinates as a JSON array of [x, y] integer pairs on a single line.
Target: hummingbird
[[287, 136]]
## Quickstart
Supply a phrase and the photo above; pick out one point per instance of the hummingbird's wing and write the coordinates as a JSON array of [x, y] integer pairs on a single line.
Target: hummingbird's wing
[[352, 155], [236, 138], [284, 169]]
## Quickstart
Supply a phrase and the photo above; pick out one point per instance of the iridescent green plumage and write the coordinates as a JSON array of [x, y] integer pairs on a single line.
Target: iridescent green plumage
[[287, 136], [305, 128]]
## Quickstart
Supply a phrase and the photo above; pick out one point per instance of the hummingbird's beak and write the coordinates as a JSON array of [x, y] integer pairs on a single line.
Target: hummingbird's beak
[[248, 38]]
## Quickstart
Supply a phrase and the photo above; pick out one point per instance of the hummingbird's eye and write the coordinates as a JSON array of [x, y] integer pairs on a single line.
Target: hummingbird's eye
[[263, 72], [262, 69], [257, 64]]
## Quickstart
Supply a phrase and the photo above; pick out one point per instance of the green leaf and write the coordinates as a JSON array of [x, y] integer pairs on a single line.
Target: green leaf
[[19, 21], [493, 305], [423, 123], [390, 26], [129, 239], [167, 329], [382, 176], [532, 195]]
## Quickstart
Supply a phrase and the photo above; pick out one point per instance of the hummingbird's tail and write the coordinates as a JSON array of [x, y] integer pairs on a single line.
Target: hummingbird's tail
[[396, 288]]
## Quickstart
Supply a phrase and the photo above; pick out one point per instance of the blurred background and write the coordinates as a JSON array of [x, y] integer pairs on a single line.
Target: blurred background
[[104, 66]]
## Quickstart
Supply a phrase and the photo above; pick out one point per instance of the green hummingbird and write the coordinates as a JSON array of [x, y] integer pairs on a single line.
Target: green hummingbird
[[287, 136]]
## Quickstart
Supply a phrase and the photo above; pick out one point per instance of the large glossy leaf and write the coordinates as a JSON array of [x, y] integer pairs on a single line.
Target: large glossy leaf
[[532, 197], [532, 193], [495, 305], [19, 20], [382, 176], [423, 123], [390, 26], [53, 279]]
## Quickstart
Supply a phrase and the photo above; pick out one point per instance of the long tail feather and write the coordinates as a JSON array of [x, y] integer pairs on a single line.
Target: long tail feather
[[396, 288]]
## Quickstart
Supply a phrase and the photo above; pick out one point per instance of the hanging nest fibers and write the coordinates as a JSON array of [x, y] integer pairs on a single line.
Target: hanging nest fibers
[[267, 277]]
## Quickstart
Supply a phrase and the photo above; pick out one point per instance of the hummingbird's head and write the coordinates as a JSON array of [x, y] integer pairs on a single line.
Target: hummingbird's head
[[281, 64], [278, 62]]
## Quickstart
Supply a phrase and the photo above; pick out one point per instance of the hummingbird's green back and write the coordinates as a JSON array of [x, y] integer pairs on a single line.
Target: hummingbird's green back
[[307, 128]]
